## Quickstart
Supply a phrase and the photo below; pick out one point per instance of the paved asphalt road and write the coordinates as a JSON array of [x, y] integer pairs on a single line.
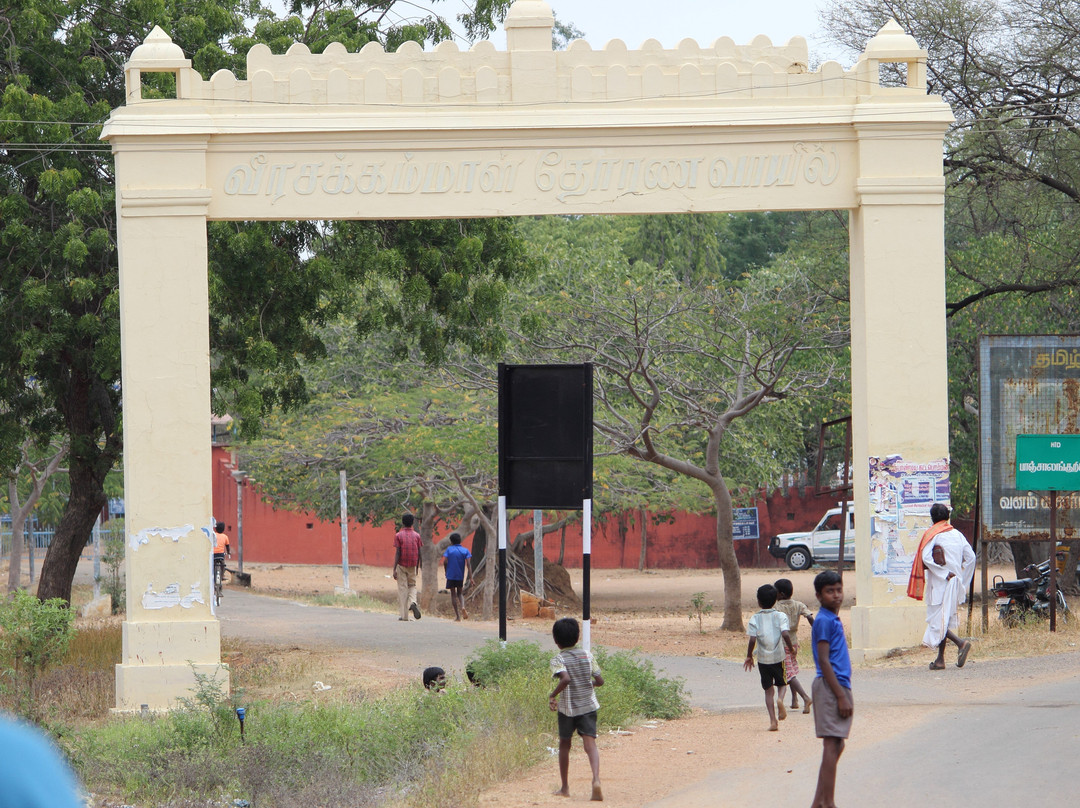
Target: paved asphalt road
[[996, 732]]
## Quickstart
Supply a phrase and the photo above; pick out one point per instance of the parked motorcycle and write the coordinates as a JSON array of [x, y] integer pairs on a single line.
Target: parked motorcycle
[[1028, 595]]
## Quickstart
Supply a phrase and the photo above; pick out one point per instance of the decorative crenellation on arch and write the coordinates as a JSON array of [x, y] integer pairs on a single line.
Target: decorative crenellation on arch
[[721, 74]]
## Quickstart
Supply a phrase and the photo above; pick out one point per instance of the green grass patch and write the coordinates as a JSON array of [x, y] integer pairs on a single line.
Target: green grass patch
[[410, 746], [358, 601]]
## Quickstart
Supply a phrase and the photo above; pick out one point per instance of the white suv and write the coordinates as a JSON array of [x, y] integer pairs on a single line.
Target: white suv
[[820, 545]]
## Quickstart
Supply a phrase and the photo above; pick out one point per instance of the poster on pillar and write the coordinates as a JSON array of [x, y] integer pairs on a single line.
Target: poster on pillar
[[901, 493]]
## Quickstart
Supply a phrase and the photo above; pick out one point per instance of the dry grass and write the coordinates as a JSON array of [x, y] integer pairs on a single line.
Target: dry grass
[[1031, 638], [287, 674], [82, 686]]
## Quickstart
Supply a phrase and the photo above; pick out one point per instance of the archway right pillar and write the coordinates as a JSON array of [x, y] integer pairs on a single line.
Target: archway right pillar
[[899, 375]]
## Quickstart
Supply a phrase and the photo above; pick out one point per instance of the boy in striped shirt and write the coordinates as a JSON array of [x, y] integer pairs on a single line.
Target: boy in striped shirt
[[574, 698]]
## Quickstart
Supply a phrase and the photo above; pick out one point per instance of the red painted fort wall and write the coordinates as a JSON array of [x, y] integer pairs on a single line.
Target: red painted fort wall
[[678, 541]]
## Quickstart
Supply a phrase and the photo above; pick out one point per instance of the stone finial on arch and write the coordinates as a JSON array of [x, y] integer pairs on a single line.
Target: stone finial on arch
[[893, 45], [157, 54]]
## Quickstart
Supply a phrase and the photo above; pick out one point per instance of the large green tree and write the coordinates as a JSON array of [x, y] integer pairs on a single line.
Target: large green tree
[[1010, 70], [60, 75]]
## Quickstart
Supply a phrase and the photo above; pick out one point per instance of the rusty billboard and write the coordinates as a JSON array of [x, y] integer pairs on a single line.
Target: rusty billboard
[[1027, 385]]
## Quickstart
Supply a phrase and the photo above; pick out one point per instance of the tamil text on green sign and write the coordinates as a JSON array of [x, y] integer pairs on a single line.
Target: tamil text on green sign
[[1048, 462]]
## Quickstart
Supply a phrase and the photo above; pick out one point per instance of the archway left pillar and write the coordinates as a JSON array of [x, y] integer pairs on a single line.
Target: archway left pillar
[[171, 636]]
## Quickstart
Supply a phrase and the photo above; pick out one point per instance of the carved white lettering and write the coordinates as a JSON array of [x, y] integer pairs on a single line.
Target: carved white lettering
[[279, 174], [338, 179], [246, 179], [563, 173], [308, 180], [545, 177], [371, 179]]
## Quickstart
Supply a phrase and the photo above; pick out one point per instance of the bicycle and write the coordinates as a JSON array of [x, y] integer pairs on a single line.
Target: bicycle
[[219, 576]]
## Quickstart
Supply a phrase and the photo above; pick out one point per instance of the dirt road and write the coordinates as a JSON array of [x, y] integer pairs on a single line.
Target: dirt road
[[943, 725]]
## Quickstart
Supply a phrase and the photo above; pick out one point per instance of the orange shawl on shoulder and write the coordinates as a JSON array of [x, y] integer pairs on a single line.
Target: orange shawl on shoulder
[[917, 582]]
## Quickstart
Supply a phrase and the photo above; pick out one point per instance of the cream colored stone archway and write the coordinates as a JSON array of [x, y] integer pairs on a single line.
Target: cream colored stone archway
[[484, 132]]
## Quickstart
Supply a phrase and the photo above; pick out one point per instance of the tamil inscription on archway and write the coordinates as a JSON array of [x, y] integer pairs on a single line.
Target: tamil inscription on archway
[[485, 132]]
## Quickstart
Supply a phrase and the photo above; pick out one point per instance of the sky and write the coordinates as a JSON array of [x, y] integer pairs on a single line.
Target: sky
[[635, 21]]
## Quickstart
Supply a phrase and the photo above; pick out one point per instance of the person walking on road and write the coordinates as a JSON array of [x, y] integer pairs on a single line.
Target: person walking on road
[[458, 573], [406, 566], [794, 609], [948, 564], [768, 630], [574, 699]]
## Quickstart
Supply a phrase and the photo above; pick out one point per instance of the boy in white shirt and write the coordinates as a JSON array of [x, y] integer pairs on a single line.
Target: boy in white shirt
[[768, 630]]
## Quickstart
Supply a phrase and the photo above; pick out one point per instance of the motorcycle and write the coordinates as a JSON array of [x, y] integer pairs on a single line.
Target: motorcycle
[[1028, 595]]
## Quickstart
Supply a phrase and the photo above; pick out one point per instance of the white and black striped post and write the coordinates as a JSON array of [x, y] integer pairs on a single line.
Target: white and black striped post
[[502, 568], [586, 573]]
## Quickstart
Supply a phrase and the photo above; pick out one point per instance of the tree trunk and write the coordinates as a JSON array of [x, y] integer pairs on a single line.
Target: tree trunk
[[729, 565], [642, 516], [562, 546], [1070, 581], [18, 522], [429, 556], [491, 573], [479, 545], [20, 511], [1028, 552], [83, 506], [622, 519], [94, 445], [18, 547]]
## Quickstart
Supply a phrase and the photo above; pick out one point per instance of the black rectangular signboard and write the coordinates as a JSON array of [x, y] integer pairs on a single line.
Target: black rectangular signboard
[[545, 435]]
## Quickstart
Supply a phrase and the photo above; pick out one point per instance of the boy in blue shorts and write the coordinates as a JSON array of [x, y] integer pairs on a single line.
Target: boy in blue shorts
[[574, 698], [458, 563], [831, 691]]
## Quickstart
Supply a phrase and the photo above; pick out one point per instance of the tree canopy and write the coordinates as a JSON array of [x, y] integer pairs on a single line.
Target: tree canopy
[[271, 286], [1010, 70]]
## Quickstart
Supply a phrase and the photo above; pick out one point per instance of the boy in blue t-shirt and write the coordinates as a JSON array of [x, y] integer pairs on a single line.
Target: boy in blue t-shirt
[[831, 691], [458, 563]]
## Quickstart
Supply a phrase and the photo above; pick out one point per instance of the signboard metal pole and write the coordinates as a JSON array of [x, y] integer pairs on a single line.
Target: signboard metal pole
[[1052, 592], [844, 507], [586, 573], [502, 568]]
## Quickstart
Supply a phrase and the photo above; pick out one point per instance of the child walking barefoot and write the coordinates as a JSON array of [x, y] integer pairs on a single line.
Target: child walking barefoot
[[768, 629], [574, 699], [794, 609]]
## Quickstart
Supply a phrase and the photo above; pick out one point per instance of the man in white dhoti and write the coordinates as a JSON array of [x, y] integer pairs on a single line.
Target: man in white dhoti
[[949, 564]]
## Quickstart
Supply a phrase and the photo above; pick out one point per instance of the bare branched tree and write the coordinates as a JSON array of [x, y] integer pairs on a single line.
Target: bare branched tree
[[677, 366]]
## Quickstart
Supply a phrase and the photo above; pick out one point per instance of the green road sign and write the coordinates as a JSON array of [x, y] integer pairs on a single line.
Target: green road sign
[[1048, 462]]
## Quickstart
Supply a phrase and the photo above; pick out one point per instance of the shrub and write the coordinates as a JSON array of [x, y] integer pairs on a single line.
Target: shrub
[[35, 635], [493, 661], [632, 688], [113, 558], [654, 696]]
